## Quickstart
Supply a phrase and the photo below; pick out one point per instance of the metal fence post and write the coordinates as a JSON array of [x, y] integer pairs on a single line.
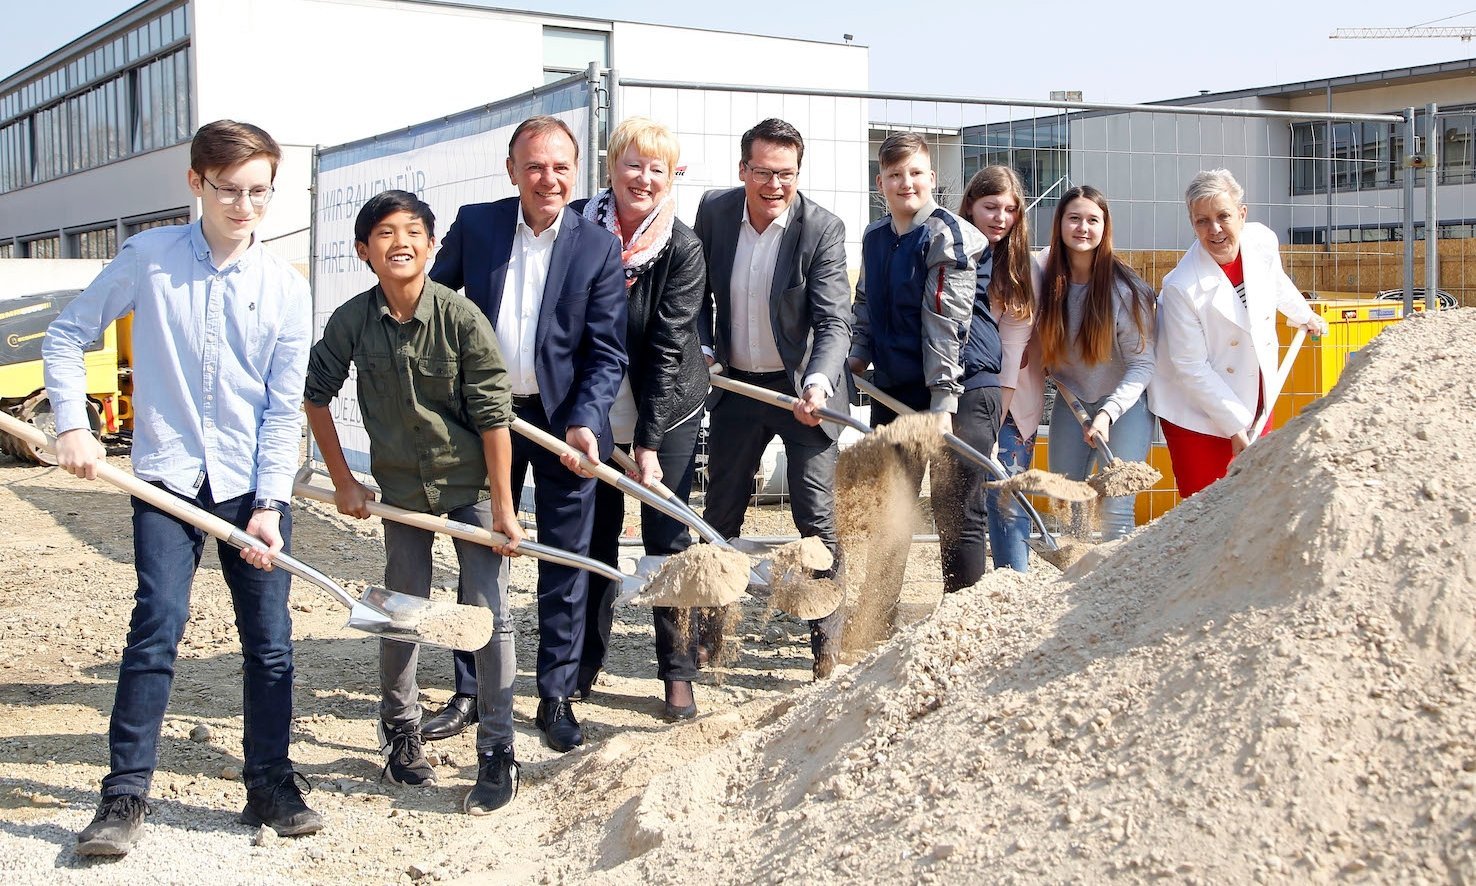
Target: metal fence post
[[612, 80], [312, 271], [1432, 220], [592, 139], [1411, 138]]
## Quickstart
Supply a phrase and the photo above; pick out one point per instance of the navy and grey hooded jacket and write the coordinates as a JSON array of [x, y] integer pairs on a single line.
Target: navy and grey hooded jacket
[[915, 304]]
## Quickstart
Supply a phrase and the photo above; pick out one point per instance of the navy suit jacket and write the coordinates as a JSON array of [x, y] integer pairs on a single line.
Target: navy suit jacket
[[579, 346]]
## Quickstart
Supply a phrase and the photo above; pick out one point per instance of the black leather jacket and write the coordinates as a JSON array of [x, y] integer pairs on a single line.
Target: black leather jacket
[[668, 374]]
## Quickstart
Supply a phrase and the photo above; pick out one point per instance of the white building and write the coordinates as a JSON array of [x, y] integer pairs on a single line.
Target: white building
[[1313, 182], [94, 136]]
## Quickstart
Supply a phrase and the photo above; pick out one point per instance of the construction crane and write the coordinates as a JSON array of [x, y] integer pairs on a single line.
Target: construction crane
[[1398, 33]]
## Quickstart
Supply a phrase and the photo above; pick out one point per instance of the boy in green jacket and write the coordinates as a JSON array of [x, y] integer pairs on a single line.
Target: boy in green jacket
[[436, 403]]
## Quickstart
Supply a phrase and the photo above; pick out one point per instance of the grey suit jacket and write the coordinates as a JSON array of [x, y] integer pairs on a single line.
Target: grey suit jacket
[[810, 303]]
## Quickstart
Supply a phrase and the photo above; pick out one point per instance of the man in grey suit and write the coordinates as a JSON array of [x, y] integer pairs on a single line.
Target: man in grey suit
[[778, 314]]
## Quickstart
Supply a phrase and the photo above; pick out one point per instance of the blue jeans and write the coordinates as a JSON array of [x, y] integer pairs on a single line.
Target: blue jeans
[[1008, 524], [166, 553], [1130, 436]]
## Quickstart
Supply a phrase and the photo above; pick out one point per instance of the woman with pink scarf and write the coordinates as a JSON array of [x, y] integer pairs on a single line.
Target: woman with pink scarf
[[658, 411]]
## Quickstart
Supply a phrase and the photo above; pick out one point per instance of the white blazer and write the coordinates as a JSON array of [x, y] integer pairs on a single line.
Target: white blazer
[[1216, 357]]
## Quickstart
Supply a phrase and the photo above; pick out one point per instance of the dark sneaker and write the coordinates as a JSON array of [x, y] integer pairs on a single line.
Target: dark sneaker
[[279, 805], [404, 754], [115, 828], [497, 782]]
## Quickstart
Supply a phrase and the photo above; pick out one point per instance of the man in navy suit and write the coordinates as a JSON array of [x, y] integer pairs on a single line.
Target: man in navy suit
[[553, 287]]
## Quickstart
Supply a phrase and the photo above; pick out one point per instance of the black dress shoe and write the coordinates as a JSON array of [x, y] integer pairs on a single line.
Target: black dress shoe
[[824, 666], [674, 712], [459, 713], [556, 719]]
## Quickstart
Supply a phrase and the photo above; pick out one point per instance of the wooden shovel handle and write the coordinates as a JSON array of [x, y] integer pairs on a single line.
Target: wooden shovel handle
[[180, 509], [1282, 373], [778, 398], [428, 522], [626, 461]]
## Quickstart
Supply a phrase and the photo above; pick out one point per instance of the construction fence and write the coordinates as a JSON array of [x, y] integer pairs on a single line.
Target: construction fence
[[1346, 193]]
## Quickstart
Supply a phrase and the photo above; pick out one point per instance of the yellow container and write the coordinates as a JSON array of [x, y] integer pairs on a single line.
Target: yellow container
[[1352, 322]]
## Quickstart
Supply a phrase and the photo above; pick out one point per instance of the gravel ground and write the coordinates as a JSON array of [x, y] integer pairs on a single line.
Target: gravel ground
[[66, 582]]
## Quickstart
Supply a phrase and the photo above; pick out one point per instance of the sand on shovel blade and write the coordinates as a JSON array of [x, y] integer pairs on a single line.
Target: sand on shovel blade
[[1037, 482], [1124, 478], [1067, 553], [795, 590], [807, 598], [701, 576], [467, 628]]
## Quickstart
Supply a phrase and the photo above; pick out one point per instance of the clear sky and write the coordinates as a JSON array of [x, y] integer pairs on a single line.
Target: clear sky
[[1112, 51]]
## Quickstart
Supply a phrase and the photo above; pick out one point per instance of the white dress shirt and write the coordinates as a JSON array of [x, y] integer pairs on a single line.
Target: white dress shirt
[[752, 347], [522, 298]]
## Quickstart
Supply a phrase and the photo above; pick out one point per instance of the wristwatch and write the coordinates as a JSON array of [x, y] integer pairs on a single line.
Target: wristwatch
[[271, 504]]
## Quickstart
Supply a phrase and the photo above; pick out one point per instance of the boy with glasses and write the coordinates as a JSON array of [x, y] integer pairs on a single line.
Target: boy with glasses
[[221, 332]]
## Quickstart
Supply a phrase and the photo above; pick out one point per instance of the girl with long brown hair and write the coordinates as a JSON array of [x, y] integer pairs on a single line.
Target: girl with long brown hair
[[1008, 280], [1096, 332]]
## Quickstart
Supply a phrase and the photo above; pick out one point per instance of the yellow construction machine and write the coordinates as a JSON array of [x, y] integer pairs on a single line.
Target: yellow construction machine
[[23, 323]]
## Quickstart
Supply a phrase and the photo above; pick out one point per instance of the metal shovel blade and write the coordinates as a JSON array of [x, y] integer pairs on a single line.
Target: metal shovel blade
[[396, 616]]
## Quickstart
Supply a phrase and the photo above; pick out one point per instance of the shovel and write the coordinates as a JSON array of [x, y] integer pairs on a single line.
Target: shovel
[[665, 505], [1047, 547], [379, 611], [629, 585], [762, 572], [1282, 373], [1117, 477], [782, 400]]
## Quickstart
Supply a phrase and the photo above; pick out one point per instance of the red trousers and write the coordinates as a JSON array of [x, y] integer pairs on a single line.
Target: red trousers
[[1198, 459]]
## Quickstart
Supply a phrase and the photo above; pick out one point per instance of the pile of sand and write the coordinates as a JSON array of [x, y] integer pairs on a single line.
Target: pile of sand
[[1272, 682]]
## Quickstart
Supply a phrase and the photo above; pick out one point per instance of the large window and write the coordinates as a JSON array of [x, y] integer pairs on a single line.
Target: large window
[[570, 50], [99, 242], [1365, 156], [126, 96], [41, 247]]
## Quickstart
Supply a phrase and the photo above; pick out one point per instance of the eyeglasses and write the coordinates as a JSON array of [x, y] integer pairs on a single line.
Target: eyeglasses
[[229, 196], [764, 176]]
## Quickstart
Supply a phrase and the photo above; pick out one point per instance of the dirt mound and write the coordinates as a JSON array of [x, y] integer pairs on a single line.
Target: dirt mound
[[1273, 682]]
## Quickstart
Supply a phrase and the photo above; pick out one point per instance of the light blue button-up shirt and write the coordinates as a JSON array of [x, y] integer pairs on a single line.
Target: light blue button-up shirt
[[219, 360]]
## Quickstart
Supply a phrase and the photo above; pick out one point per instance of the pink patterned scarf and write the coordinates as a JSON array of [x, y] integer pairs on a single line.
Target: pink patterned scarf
[[650, 240]]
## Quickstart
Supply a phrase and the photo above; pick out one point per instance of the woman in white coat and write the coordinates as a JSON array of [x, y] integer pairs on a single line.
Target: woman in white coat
[[1217, 345]]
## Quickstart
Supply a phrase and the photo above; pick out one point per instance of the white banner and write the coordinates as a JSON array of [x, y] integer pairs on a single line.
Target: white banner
[[449, 164]]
